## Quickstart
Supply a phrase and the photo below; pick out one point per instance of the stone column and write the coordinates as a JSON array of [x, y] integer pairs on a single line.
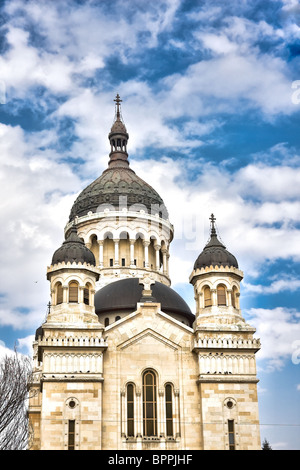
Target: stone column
[[139, 428], [53, 299], [146, 243], [157, 259], [65, 294], [123, 412], [164, 252], [132, 242], [214, 296], [229, 298], [80, 294], [116, 242], [100, 243], [161, 414], [176, 420], [168, 257]]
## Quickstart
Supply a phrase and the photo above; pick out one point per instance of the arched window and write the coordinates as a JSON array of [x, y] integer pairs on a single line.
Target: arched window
[[221, 295], [130, 410], [73, 292], [169, 409], [86, 294], [117, 318], [233, 297], [149, 404], [207, 297], [59, 294], [106, 321]]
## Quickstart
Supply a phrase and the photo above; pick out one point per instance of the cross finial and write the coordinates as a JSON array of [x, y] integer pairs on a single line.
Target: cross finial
[[118, 102], [213, 229]]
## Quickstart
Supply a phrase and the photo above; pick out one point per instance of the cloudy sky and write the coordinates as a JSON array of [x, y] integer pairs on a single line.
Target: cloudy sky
[[211, 101]]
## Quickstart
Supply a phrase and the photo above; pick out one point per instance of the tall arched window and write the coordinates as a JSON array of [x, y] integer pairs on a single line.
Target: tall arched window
[[149, 404], [59, 294], [221, 294], [130, 410], [73, 292], [169, 409], [207, 297], [233, 296], [86, 294]]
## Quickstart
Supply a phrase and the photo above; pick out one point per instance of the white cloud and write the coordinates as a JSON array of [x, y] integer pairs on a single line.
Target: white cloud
[[242, 222], [278, 330], [280, 285], [231, 83], [36, 195]]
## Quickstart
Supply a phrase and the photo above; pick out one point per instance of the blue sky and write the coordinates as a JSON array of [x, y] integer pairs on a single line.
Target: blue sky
[[211, 101]]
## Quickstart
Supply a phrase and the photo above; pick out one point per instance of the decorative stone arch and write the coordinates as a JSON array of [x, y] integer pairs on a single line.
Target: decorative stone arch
[[88, 293], [140, 233], [122, 229], [76, 277], [57, 292], [221, 288], [206, 291], [222, 280], [107, 232], [73, 291]]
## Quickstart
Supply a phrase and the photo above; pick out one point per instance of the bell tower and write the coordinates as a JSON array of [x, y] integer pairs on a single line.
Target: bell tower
[[68, 355], [216, 279], [226, 348]]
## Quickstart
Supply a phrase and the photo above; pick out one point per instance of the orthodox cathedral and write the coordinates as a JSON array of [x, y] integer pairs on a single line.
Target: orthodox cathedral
[[121, 362]]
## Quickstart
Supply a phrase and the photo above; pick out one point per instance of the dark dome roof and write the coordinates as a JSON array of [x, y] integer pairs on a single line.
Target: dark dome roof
[[73, 250], [215, 254], [126, 293], [118, 187]]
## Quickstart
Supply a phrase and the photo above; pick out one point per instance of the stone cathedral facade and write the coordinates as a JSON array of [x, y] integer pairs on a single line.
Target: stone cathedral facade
[[121, 362]]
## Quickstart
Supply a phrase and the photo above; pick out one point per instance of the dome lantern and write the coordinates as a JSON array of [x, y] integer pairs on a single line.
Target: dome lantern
[[215, 253], [216, 279], [118, 138]]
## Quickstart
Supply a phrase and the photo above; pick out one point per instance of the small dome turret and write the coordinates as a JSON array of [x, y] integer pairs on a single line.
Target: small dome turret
[[73, 250], [215, 253]]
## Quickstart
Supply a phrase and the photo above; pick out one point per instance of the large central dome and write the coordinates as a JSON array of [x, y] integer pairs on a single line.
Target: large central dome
[[118, 186], [122, 297]]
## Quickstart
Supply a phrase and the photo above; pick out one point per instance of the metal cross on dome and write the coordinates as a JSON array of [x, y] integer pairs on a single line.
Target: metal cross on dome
[[118, 103], [213, 229]]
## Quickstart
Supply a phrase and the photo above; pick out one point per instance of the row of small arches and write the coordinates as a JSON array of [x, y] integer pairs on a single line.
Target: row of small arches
[[122, 233], [72, 293], [223, 296]]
